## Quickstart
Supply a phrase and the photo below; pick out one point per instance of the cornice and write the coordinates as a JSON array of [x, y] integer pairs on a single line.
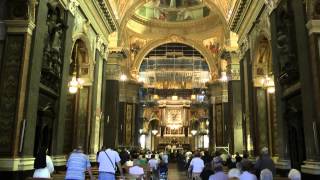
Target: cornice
[[237, 13], [106, 10]]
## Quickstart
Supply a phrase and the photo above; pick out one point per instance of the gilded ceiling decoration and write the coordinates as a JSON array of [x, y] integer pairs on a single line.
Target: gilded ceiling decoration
[[173, 10]]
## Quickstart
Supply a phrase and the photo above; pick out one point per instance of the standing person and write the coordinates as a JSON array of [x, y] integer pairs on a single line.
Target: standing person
[[207, 172], [238, 158], [153, 165], [206, 157], [43, 164], [264, 162], [196, 166], [77, 165], [108, 161], [165, 158]]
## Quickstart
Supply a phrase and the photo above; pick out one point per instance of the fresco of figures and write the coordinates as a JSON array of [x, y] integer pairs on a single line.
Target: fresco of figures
[[173, 10]]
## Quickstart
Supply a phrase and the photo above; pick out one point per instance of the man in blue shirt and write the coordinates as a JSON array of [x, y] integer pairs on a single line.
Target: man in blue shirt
[[77, 165]]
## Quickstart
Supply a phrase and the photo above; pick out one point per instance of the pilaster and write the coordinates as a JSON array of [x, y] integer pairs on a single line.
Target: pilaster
[[112, 103], [235, 108]]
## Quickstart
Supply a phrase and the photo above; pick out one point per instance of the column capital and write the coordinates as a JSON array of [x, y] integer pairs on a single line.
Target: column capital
[[243, 46], [233, 71]]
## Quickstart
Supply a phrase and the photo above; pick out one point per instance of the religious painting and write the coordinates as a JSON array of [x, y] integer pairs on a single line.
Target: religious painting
[[263, 62], [128, 124], [213, 45], [174, 116]]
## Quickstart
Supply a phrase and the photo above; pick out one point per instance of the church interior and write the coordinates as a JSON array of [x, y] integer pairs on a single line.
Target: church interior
[[160, 75]]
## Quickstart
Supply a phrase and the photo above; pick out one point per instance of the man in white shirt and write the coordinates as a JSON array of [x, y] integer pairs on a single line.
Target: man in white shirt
[[108, 161], [153, 165], [196, 166], [165, 158]]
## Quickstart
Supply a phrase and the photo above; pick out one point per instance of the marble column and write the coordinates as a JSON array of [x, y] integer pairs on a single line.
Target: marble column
[[111, 99], [235, 107], [14, 75], [218, 99], [129, 106], [312, 165]]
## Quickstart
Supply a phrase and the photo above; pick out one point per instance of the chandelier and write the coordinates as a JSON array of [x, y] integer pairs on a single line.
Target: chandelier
[[268, 83], [75, 84]]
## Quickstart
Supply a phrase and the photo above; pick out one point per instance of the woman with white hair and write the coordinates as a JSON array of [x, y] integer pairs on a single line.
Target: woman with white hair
[[234, 174], [294, 174], [266, 174]]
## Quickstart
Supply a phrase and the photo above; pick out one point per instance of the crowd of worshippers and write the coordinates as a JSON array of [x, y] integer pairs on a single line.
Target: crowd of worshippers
[[140, 165], [203, 166]]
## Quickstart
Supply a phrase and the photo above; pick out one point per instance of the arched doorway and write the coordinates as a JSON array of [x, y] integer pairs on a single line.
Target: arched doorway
[[77, 118], [264, 98], [44, 127]]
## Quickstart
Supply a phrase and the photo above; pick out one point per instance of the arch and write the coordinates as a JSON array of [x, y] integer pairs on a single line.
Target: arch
[[149, 47], [124, 20], [83, 37], [83, 66]]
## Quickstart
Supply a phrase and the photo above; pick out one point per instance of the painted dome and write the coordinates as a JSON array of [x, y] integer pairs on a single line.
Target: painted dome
[[173, 10]]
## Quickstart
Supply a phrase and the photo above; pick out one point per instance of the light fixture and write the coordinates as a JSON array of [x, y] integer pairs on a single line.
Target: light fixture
[[140, 131], [271, 90], [207, 122], [268, 83], [123, 77], [194, 132], [174, 97], [75, 83], [154, 131], [193, 97], [155, 96], [224, 77]]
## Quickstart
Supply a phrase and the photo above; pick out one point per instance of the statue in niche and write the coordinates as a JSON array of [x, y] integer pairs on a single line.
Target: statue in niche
[[52, 63], [287, 58]]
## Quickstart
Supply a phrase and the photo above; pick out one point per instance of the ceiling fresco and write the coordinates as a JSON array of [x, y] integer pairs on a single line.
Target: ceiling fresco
[[173, 10]]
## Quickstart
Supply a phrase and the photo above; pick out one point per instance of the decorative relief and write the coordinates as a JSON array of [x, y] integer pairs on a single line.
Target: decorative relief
[[286, 45], [9, 86], [244, 47], [212, 45], [52, 57], [73, 6], [136, 44]]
